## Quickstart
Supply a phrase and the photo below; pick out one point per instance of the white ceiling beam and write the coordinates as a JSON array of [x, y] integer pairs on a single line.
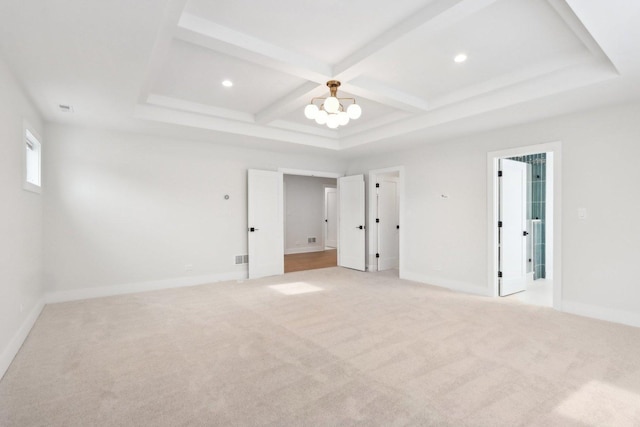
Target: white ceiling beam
[[387, 119], [295, 99], [531, 72], [161, 46], [221, 39], [185, 118], [562, 80], [379, 92], [195, 107], [312, 129], [573, 22], [436, 15]]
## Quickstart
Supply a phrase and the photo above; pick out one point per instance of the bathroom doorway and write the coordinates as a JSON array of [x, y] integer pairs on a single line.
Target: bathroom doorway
[[523, 195]]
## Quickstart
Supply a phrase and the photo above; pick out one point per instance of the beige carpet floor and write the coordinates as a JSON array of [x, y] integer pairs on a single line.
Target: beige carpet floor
[[329, 347]]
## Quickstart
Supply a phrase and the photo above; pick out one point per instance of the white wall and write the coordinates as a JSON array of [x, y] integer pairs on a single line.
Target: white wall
[[20, 223], [126, 212], [447, 242], [304, 215]]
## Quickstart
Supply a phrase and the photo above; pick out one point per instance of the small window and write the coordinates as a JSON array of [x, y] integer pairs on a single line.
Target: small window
[[33, 155]]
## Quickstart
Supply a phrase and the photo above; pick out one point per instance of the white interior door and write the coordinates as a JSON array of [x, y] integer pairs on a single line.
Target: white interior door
[[265, 223], [388, 212], [351, 232], [512, 234], [331, 217]]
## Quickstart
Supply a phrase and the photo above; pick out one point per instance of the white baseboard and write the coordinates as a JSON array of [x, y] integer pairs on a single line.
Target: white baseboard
[[454, 285], [18, 339], [130, 288], [602, 313], [303, 250]]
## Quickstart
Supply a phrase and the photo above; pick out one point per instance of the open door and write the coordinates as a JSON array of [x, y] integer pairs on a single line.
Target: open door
[[513, 227], [387, 221], [351, 234], [265, 223]]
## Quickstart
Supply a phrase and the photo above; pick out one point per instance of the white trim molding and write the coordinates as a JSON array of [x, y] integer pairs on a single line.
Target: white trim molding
[[131, 288], [602, 313], [20, 336], [453, 285], [305, 250]]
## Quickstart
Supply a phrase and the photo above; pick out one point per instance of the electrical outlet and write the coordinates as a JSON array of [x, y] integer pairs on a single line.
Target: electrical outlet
[[188, 267], [21, 308]]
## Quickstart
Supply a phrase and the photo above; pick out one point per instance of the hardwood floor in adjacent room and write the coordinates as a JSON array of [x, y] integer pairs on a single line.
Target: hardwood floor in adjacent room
[[310, 260]]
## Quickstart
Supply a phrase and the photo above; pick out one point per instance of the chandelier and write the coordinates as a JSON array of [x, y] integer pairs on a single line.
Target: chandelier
[[331, 111]]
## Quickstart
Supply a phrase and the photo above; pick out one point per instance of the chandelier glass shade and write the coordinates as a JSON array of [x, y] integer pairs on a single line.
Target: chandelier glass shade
[[330, 110]]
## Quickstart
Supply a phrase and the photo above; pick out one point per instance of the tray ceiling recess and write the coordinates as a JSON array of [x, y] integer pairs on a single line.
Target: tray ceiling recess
[[420, 65]]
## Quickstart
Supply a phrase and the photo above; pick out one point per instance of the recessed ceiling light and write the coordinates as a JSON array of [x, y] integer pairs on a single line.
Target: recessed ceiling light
[[460, 58], [227, 83]]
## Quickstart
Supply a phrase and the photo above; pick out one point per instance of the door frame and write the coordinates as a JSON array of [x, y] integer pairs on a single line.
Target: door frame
[[553, 210], [371, 241], [306, 172]]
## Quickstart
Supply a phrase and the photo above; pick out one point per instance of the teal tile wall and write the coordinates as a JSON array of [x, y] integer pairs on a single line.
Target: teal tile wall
[[537, 206]]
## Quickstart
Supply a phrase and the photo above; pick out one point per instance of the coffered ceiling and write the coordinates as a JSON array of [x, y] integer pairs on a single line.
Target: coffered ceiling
[[159, 64]]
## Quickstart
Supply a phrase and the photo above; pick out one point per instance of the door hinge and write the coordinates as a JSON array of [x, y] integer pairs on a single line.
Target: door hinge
[[377, 185], [499, 173], [378, 220], [377, 255], [499, 224], [499, 273]]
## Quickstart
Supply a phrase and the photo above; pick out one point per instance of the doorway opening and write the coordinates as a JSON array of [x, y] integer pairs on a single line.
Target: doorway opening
[[266, 218], [310, 219], [385, 212], [524, 220]]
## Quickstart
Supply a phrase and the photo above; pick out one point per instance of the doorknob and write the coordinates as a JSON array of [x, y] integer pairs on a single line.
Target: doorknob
[[252, 229], [360, 227], [525, 233]]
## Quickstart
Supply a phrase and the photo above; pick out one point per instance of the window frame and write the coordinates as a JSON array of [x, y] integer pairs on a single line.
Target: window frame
[[31, 136]]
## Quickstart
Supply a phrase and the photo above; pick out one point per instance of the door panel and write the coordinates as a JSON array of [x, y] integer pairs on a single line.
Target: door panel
[[513, 215], [388, 241], [351, 228], [331, 215], [265, 218]]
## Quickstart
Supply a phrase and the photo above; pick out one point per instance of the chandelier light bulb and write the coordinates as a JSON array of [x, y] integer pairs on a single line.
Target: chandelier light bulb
[[311, 111], [321, 117], [343, 118], [354, 111], [332, 121], [329, 110], [332, 105]]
